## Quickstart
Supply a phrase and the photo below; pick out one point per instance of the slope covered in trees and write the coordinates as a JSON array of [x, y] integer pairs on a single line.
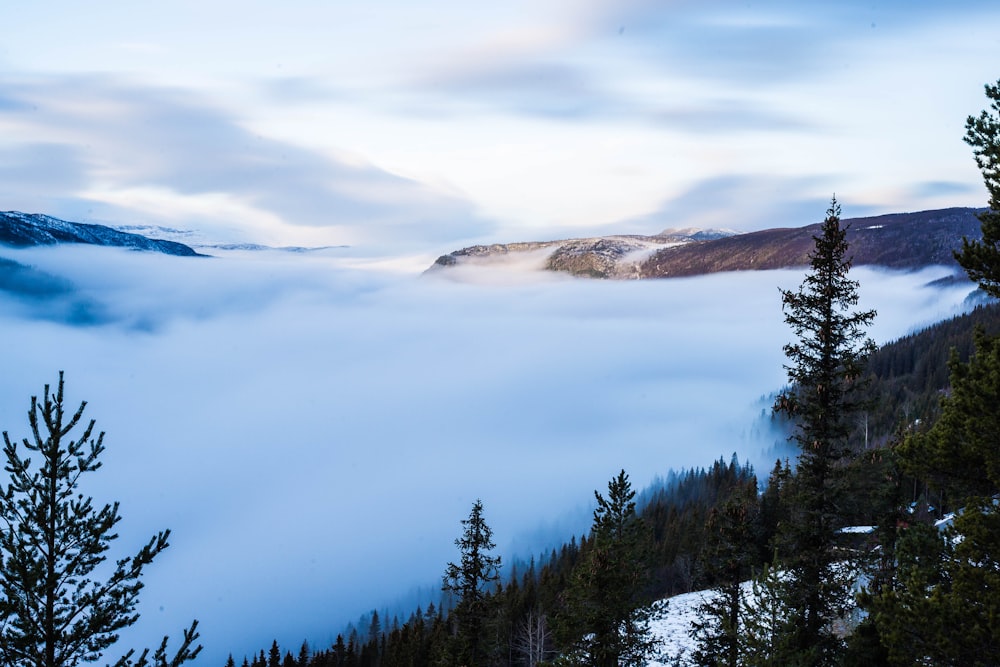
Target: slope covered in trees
[[691, 519]]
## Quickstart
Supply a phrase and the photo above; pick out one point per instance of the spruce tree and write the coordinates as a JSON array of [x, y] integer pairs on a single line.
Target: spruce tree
[[727, 560], [604, 621], [472, 580], [981, 259], [55, 611], [824, 371]]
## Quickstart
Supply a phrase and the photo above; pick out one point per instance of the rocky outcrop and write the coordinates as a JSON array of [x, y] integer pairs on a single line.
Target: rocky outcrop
[[596, 257]]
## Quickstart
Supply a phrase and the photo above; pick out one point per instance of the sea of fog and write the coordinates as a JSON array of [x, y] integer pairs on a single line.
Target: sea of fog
[[313, 428]]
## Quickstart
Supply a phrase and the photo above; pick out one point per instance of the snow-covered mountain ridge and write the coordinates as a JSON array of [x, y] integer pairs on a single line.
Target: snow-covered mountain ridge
[[34, 229]]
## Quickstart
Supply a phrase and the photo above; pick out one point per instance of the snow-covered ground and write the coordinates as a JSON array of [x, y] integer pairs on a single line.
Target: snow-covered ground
[[674, 624]]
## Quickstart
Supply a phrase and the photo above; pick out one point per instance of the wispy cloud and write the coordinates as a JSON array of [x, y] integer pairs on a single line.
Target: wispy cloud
[[716, 203], [130, 154]]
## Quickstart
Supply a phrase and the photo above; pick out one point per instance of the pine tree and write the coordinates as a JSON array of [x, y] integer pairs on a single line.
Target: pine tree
[[603, 620], [53, 539], [472, 580], [824, 369], [981, 259]]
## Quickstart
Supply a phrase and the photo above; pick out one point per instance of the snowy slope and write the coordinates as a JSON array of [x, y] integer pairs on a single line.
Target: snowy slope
[[31, 229]]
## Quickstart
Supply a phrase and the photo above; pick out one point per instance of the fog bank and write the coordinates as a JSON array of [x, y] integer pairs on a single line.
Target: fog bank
[[313, 430]]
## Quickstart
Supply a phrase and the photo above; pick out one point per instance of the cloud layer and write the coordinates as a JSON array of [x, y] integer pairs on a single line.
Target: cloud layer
[[313, 433]]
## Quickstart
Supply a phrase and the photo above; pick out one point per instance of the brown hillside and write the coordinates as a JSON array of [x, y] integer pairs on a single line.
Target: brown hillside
[[898, 241]]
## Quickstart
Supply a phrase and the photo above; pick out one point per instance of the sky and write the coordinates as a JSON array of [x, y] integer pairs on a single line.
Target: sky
[[314, 426], [406, 128]]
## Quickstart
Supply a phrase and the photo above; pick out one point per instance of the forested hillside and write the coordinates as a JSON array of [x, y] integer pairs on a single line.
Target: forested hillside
[[699, 529], [911, 375]]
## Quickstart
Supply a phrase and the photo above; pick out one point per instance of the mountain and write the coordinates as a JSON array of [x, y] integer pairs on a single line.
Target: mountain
[[32, 229], [619, 256], [898, 241]]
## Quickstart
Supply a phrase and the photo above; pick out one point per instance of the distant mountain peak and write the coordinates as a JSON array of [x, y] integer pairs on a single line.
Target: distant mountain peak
[[698, 234], [34, 229]]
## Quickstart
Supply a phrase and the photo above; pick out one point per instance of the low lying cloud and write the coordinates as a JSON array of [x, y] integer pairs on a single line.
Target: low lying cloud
[[313, 433]]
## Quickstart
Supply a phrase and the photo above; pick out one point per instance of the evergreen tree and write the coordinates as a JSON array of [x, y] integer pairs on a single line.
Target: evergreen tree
[[825, 364], [943, 606], [52, 542], [765, 620], [471, 580], [960, 454], [603, 619], [981, 259], [727, 561], [947, 587]]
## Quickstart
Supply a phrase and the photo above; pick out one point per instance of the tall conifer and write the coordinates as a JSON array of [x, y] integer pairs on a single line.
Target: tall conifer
[[981, 259], [824, 367], [472, 580], [604, 622]]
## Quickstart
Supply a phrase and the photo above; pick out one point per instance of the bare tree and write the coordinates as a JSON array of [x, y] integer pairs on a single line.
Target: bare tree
[[532, 639]]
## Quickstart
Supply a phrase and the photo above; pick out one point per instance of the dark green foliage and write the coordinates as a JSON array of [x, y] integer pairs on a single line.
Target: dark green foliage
[[471, 581], [824, 370], [910, 375], [602, 619], [947, 584], [960, 454], [52, 612], [766, 636], [521, 628], [727, 560], [826, 360], [944, 606], [981, 259]]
